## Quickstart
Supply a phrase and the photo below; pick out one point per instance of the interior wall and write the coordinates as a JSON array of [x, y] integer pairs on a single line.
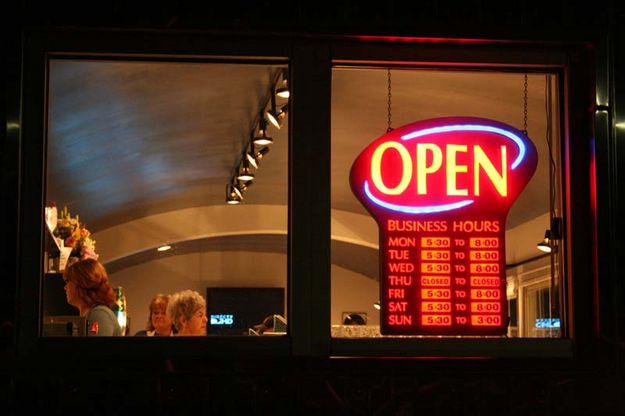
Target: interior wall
[[196, 271], [351, 292], [521, 240], [187, 224]]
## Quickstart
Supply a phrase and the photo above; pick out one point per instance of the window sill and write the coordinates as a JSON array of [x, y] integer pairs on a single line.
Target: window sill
[[453, 348]]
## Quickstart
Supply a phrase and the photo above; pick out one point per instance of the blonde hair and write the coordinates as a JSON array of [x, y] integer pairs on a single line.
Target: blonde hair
[[184, 303]]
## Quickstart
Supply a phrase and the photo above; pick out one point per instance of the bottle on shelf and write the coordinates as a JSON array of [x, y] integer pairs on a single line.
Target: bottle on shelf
[[122, 311]]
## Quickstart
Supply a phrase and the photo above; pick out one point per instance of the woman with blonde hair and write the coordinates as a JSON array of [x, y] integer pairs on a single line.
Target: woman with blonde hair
[[187, 310], [159, 323], [87, 287]]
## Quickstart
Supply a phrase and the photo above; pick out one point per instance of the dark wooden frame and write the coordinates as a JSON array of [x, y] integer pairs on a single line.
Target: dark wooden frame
[[308, 301]]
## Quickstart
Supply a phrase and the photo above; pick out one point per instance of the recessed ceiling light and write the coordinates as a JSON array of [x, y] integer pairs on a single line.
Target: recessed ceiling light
[[164, 248]]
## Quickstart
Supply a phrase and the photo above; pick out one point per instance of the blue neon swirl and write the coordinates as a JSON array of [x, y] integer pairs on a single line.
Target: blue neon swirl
[[414, 209], [473, 127]]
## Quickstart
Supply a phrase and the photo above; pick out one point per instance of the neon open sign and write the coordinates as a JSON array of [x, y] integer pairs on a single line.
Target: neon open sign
[[440, 191]]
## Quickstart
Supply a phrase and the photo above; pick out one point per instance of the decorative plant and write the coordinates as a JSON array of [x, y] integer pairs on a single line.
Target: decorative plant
[[75, 235]]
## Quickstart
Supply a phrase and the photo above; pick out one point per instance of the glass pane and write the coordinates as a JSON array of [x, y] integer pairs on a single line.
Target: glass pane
[[369, 102], [145, 164]]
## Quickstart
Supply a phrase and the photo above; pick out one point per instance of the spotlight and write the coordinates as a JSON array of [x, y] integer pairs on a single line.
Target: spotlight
[[254, 157], [250, 158], [249, 155], [277, 117], [552, 235], [237, 189], [274, 116], [283, 90], [233, 195], [245, 173], [545, 244], [242, 186], [377, 305], [261, 139], [164, 247]]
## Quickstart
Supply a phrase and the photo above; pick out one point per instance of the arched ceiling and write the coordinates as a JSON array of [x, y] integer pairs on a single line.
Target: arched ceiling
[[131, 139]]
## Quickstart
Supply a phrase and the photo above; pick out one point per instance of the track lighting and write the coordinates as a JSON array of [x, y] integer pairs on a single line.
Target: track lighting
[[245, 173], [243, 186], [276, 118], [261, 139], [283, 89], [254, 157], [237, 190], [233, 195], [250, 155], [255, 148]]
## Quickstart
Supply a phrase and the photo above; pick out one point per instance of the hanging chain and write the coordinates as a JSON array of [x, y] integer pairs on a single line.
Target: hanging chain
[[525, 105], [388, 76]]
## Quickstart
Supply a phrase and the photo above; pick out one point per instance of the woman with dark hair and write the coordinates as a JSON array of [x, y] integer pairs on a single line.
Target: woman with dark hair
[[159, 323], [87, 287]]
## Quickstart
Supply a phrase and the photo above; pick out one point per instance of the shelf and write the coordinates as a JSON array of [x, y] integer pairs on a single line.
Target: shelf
[[52, 246]]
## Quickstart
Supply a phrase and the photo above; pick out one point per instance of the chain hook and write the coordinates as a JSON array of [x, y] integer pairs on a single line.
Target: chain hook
[[389, 114], [525, 104]]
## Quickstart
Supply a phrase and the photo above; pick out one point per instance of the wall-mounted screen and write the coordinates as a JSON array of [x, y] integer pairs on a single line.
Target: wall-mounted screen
[[232, 311]]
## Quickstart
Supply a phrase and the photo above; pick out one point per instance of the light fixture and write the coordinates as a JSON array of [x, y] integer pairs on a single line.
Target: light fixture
[[242, 186], [545, 243], [550, 242], [261, 139], [283, 89], [254, 156], [255, 147], [249, 155], [233, 194], [274, 116], [164, 247], [376, 305], [245, 173]]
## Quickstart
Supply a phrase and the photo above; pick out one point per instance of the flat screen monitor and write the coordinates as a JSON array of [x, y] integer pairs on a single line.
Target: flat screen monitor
[[232, 311]]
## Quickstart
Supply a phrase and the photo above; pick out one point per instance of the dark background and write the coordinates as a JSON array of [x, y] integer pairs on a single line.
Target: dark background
[[100, 384]]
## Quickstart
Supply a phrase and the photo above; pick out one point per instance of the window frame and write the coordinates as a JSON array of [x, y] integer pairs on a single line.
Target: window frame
[[308, 252], [41, 46], [573, 67]]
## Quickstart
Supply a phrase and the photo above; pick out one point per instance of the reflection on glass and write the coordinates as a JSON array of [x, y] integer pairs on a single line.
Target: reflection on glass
[[363, 110], [140, 153]]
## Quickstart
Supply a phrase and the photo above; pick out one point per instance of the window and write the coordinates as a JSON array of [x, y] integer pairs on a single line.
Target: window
[[339, 105], [366, 101], [144, 169]]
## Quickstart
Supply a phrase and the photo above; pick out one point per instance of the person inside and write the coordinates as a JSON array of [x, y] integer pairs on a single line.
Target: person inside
[[265, 326], [87, 287], [354, 319], [187, 310], [159, 324]]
